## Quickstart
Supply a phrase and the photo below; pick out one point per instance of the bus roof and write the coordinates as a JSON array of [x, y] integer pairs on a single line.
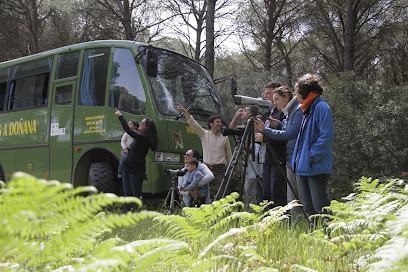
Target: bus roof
[[99, 43]]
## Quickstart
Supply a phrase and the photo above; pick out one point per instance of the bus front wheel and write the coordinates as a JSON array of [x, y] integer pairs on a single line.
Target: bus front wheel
[[101, 176]]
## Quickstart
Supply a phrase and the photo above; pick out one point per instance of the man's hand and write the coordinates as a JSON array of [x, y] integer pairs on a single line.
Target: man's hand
[[117, 112], [258, 124], [239, 112], [258, 137], [181, 108]]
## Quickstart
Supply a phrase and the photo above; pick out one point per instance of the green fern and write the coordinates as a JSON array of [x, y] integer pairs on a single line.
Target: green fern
[[48, 225], [393, 255], [358, 225]]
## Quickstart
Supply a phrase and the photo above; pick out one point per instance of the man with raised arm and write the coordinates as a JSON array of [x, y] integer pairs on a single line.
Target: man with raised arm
[[216, 147]]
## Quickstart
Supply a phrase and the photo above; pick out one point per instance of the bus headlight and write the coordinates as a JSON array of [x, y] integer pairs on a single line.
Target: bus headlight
[[167, 157]]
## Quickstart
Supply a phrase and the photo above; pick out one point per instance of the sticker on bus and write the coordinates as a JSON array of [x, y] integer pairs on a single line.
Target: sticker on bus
[[56, 131]]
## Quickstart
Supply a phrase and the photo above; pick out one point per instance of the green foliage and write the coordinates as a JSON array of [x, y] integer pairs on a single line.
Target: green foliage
[[370, 130], [50, 225], [359, 225], [47, 226]]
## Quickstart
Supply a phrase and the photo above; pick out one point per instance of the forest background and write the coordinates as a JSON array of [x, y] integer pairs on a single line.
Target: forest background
[[358, 47]]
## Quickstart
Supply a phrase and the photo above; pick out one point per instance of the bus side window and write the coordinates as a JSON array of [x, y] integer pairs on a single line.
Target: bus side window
[[29, 84], [126, 90], [63, 95], [93, 77], [67, 64], [29, 92], [4, 72], [3, 86]]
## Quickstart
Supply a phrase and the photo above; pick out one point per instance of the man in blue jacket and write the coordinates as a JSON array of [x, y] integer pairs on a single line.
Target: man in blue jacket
[[312, 159]]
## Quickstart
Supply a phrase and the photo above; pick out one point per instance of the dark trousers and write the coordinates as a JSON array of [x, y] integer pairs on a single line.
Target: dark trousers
[[274, 185], [315, 193], [259, 191], [132, 185], [219, 173]]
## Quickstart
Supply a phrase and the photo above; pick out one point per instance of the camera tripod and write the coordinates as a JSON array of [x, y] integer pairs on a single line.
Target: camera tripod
[[171, 195], [246, 141]]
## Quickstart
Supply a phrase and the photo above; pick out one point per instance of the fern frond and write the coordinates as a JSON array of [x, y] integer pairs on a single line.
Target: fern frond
[[241, 219], [300, 268], [221, 208], [394, 254], [366, 184], [50, 224], [230, 233], [178, 227], [272, 218]]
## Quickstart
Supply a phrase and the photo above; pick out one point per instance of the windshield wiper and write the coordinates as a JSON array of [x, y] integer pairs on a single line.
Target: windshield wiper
[[199, 110]]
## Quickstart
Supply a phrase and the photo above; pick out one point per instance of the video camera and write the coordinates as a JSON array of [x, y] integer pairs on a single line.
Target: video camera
[[226, 131], [175, 172]]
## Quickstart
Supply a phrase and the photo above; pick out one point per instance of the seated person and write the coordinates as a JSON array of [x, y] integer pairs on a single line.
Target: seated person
[[203, 185], [191, 180]]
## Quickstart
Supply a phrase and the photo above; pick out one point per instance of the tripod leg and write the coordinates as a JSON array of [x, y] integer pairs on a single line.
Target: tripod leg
[[171, 209], [227, 173], [247, 133], [243, 170], [167, 198], [170, 195]]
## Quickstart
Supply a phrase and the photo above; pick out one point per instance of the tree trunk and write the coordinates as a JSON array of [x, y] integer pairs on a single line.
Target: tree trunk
[[349, 34], [209, 37], [198, 44], [126, 19], [32, 18], [270, 27], [288, 63]]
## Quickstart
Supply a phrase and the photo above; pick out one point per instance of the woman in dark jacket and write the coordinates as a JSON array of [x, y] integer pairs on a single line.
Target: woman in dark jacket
[[144, 138]]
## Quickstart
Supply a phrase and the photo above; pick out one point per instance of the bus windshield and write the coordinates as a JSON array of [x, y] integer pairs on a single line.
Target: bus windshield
[[183, 80]]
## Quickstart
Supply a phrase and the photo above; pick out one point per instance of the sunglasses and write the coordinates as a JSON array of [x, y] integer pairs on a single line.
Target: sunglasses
[[188, 155]]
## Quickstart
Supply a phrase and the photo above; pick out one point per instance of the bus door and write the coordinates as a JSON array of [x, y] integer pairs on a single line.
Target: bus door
[[61, 129]]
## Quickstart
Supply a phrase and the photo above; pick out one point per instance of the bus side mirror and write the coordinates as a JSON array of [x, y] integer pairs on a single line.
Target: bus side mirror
[[233, 87], [151, 63]]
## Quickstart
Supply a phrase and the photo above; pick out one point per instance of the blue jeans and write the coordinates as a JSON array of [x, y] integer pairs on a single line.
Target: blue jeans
[[203, 190], [122, 162], [132, 185], [315, 193]]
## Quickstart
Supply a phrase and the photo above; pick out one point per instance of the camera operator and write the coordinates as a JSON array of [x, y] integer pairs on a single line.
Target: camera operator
[[285, 100], [252, 189], [273, 181], [203, 185]]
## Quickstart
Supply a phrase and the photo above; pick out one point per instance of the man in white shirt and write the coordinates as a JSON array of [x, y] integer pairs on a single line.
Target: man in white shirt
[[216, 147]]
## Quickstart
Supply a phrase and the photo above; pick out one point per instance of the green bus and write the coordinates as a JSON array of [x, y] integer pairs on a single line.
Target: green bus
[[57, 117]]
